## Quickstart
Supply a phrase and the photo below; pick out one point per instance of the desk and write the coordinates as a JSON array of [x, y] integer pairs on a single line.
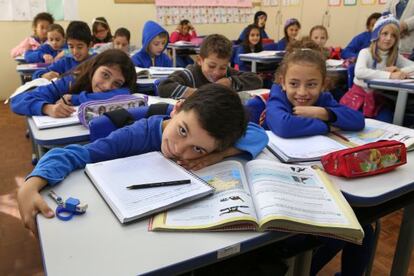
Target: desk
[[402, 89], [97, 244], [174, 46], [260, 59]]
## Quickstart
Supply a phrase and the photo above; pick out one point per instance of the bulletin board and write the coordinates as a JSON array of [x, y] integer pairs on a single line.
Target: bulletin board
[[25, 10]]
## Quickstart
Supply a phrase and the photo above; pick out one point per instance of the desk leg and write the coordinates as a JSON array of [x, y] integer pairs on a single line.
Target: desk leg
[[303, 263], [174, 56], [405, 243], [400, 107], [254, 64]]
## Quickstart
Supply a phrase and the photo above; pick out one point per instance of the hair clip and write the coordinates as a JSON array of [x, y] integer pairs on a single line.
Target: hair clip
[[95, 20], [291, 21]]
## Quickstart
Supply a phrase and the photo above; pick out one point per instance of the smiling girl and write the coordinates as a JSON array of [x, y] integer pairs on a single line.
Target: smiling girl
[[251, 44], [102, 77], [380, 61]]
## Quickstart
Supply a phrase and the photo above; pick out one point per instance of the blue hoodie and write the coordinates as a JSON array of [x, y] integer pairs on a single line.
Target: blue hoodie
[[142, 58], [31, 103], [359, 42], [36, 56], [143, 136], [281, 120]]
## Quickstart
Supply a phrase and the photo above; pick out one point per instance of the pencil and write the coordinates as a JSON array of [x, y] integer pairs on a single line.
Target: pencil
[[340, 136]]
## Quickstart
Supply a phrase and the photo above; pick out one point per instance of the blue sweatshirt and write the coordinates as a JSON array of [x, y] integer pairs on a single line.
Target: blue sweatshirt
[[61, 66], [36, 56], [243, 65], [282, 122], [359, 42], [263, 34], [141, 137], [142, 58], [31, 102], [281, 45]]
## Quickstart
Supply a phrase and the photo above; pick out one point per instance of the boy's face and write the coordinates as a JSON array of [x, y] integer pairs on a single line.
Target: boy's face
[[213, 67], [157, 45], [183, 138], [303, 84], [319, 37], [107, 78], [55, 39], [292, 31], [41, 29], [371, 24], [121, 43], [261, 22], [254, 37], [387, 37], [79, 49]]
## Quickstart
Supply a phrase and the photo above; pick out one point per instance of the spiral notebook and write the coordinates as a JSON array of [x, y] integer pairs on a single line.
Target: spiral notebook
[[111, 179]]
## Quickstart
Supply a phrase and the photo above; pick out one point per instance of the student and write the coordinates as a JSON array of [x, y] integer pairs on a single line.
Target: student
[[51, 50], [101, 31], [79, 40], [40, 24], [111, 72], [120, 41], [184, 32], [154, 42], [380, 61], [211, 67], [319, 35], [260, 19], [299, 107], [291, 31], [362, 40], [251, 44], [207, 124]]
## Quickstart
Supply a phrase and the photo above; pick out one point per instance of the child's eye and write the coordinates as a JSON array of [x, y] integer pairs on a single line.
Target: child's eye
[[105, 75], [211, 67], [198, 149], [118, 84], [312, 85], [182, 131], [293, 84]]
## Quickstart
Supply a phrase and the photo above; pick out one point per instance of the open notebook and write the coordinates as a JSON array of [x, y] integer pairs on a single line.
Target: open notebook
[[43, 122], [111, 179], [156, 72]]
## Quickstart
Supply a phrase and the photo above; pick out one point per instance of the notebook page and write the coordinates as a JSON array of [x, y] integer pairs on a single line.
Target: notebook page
[[112, 177], [43, 122]]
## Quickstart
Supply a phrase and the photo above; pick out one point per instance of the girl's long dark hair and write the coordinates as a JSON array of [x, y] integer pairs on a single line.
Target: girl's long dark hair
[[246, 44], [114, 57]]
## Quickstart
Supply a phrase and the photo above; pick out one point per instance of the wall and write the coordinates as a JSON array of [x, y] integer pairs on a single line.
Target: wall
[[133, 16]]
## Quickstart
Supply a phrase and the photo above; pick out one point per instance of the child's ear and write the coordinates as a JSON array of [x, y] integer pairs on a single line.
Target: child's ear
[[282, 83], [199, 60], [177, 107]]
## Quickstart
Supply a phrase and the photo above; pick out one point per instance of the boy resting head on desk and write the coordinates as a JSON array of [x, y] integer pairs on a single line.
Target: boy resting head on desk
[[205, 128], [212, 67]]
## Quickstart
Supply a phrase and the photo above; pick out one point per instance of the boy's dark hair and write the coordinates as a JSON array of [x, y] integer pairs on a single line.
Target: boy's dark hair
[[375, 16], [216, 44], [43, 16], [184, 22], [104, 23], [288, 23], [123, 32], [257, 15], [300, 52], [113, 57], [246, 43], [79, 30], [220, 112], [56, 27]]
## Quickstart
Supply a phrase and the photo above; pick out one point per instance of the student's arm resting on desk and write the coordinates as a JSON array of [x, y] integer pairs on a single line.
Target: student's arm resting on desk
[[33, 56], [32, 102], [242, 81], [405, 65], [357, 44], [177, 84]]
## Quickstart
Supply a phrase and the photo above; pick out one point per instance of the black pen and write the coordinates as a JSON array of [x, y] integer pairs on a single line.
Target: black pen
[[57, 90], [159, 184]]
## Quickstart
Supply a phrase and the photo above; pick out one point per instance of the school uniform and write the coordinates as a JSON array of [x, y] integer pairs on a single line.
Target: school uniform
[[36, 56], [142, 58], [281, 45], [61, 66], [31, 102], [242, 35], [192, 77], [281, 120], [177, 36], [141, 137], [359, 42], [29, 43]]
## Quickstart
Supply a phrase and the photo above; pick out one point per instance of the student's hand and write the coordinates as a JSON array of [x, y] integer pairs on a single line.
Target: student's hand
[[315, 112], [207, 160], [68, 99], [224, 81], [58, 110], [334, 129], [50, 75], [392, 69], [31, 202], [48, 58], [399, 75], [59, 56]]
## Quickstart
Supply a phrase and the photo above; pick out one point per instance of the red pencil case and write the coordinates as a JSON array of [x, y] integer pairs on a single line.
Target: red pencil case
[[369, 159]]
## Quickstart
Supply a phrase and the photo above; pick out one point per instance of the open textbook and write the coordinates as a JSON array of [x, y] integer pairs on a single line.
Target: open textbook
[[312, 148], [266, 195], [111, 178], [156, 72]]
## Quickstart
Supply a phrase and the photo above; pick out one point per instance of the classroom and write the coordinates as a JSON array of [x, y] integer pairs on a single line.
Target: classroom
[[275, 80]]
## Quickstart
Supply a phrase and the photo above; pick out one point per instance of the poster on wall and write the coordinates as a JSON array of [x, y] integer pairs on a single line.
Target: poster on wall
[[367, 2], [290, 3], [350, 2], [270, 3], [382, 2], [334, 3]]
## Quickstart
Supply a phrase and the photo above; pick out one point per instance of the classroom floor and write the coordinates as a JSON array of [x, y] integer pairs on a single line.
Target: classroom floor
[[19, 249]]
